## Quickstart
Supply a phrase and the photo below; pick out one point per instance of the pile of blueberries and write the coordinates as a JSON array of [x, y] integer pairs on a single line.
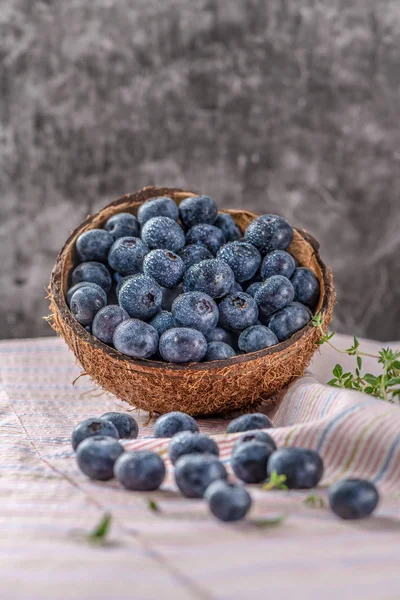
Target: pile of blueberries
[[198, 471], [181, 284]]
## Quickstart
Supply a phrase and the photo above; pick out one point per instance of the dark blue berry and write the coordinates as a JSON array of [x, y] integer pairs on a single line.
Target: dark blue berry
[[121, 280], [163, 232], [162, 322], [303, 468], [243, 258], [90, 427], [278, 262], [237, 287], [187, 442], [249, 422], [219, 351], [268, 233], [227, 225], [255, 436], [182, 345], [106, 322], [249, 461], [169, 295], [275, 293], [353, 498], [174, 422], [126, 425], [220, 335], [238, 311], [207, 235], [140, 296], [214, 277], [256, 338], [135, 338], [196, 310], [86, 302], [158, 207], [94, 272], [142, 470], [195, 472], [251, 290], [123, 225], [97, 455], [164, 266], [287, 321], [126, 255], [75, 287], [306, 287], [228, 501], [198, 209], [193, 254], [94, 245]]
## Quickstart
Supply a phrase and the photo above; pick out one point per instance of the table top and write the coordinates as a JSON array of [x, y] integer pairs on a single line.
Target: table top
[[180, 551]]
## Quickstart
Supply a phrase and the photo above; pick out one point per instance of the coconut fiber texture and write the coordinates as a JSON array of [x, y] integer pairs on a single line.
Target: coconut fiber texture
[[239, 383]]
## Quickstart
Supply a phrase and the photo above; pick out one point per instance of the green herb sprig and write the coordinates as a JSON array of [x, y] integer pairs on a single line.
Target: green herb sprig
[[315, 501], [275, 482]]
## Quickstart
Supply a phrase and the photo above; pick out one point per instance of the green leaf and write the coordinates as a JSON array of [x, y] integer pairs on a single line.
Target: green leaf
[[101, 530], [275, 482], [396, 365], [338, 371], [348, 383], [315, 501], [394, 381], [369, 390], [268, 522], [359, 362], [152, 505], [333, 382], [369, 378], [317, 320]]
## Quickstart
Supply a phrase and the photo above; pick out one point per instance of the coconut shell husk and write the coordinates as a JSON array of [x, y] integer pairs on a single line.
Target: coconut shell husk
[[219, 387]]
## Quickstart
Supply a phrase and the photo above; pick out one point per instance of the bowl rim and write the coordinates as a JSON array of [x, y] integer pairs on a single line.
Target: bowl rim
[[57, 294]]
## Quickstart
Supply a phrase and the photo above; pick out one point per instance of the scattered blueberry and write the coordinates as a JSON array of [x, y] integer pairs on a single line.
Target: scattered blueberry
[[162, 322], [126, 425], [268, 233], [126, 255], [94, 245], [275, 293], [174, 422], [278, 262], [249, 422], [238, 311], [218, 351], [227, 225], [96, 456], [140, 296], [257, 338], [306, 287], [163, 232], [255, 436], [187, 442], [193, 254], [142, 470], [183, 345], [249, 461], [93, 272], [243, 258], [164, 266], [207, 235], [123, 225], [75, 287], [106, 321], [90, 427], [228, 501], [287, 321], [214, 277], [158, 207], [353, 498], [86, 302], [198, 209], [303, 468], [220, 335], [196, 310], [251, 290], [195, 472], [169, 295], [135, 338]]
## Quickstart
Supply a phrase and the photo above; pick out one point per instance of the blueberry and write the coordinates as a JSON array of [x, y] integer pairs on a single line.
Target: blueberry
[[163, 232], [86, 302], [198, 209], [268, 233], [303, 468], [162, 322], [135, 338], [237, 287], [106, 322], [278, 262], [164, 266], [174, 422], [275, 293], [251, 290], [228, 227], [123, 225], [126, 255], [306, 287], [353, 498], [187, 442], [219, 351], [238, 311], [96, 456], [183, 345], [207, 235], [243, 258], [255, 436], [93, 272], [75, 287], [142, 470], [126, 425], [249, 422], [121, 280], [195, 472], [249, 461], [220, 335], [90, 427], [228, 501], [214, 277], [287, 321], [193, 254], [94, 245], [196, 310], [257, 338], [158, 207], [169, 295], [140, 296]]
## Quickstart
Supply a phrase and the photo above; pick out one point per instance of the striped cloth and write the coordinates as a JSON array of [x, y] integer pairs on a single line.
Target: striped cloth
[[180, 551]]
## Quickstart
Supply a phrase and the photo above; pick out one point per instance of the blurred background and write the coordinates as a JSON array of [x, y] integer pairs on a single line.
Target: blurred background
[[286, 106]]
